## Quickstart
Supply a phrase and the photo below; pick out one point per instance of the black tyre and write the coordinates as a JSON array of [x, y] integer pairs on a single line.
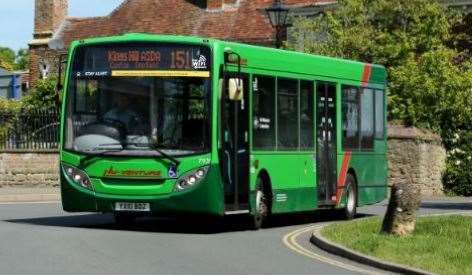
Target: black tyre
[[350, 210], [124, 219], [261, 211]]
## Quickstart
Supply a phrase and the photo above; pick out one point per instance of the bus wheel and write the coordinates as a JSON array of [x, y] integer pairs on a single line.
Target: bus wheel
[[351, 197], [262, 207], [124, 219]]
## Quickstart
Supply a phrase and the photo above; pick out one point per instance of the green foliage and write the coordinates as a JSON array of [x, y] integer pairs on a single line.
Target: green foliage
[[11, 61], [43, 95], [412, 38], [429, 91], [7, 58], [8, 104], [22, 59], [458, 176], [376, 31]]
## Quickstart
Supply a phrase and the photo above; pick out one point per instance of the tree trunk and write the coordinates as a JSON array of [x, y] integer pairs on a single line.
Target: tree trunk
[[405, 200]]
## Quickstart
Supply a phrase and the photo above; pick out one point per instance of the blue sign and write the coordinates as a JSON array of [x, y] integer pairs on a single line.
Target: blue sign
[[172, 172]]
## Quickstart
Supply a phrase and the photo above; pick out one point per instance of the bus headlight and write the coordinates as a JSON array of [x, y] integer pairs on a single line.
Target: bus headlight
[[191, 178], [77, 176]]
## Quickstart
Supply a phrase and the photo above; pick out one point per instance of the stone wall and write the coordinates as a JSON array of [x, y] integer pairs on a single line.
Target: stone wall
[[29, 169], [413, 154], [416, 156]]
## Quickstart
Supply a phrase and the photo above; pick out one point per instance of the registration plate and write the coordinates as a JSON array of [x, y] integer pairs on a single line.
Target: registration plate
[[132, 206]]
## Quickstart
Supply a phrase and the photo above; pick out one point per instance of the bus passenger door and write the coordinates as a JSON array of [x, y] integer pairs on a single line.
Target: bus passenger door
[[234, 146], [326, 143]]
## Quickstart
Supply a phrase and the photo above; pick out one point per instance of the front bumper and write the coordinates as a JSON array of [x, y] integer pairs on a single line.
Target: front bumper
[[205, 198]]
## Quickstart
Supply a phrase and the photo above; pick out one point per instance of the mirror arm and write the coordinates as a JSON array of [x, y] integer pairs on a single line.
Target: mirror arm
[[227, 53], [59, 85]]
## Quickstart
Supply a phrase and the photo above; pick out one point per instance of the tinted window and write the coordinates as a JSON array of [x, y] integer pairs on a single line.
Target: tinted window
[[379, 114], [306, 115], [367, 119], [287, 114], [350, 113], [264, 113]]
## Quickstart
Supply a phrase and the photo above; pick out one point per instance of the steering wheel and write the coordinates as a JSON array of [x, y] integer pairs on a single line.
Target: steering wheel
[[115, 123]]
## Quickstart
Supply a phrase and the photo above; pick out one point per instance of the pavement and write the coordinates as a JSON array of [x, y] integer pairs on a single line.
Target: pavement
[[40, 238], [29, 194]]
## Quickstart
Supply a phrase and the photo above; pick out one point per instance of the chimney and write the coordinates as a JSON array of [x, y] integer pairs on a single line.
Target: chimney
[[214, 4], [48, 16]]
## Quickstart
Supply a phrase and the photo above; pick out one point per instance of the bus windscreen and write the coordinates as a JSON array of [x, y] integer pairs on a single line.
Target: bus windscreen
[[139, 100]]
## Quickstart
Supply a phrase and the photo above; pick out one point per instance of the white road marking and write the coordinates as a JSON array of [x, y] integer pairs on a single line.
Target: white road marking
[[290, 240]]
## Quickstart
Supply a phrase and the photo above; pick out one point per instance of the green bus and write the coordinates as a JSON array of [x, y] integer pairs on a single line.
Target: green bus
[[164, 125]]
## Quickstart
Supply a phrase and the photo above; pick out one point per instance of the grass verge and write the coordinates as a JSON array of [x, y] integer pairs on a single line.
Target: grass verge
[[440, 244]]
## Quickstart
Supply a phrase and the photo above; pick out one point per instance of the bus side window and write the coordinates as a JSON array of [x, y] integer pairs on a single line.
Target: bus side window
[[379, 114], [287, 114], [367, 119], [307, 115], [263, 98], [350, 117]]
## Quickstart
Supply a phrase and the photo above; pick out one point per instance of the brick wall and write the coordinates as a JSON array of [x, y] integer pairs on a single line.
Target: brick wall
[[38, 54], [29, 169], [49, 14], [418, 156]]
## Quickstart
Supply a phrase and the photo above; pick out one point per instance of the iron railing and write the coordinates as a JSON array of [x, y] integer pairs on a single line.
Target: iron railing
[[29, 130]]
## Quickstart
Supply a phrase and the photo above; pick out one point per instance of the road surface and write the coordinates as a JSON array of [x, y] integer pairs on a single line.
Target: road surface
[[39, 238]]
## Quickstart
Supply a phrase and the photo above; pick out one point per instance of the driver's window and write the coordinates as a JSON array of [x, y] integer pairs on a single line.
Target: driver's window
[[86, 97], [125, 101]]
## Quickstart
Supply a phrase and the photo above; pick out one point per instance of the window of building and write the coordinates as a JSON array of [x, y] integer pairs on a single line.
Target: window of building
[[367, 119], [379, 114], [307, 110], [263, 98], [350, 117], [287, 114]]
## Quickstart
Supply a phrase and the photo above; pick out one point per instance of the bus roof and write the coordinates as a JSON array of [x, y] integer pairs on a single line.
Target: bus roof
[[266, 58]]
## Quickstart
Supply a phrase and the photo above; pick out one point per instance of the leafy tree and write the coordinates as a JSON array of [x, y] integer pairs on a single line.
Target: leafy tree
[[22, 59], [7, 58], [376, 31], [11, 61], [42, 96]]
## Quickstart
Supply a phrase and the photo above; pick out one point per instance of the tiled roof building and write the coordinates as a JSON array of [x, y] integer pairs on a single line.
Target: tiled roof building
[[240, 20]]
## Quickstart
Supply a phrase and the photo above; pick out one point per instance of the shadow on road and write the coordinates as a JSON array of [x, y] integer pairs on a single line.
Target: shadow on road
[[447, 205], [182, 224]]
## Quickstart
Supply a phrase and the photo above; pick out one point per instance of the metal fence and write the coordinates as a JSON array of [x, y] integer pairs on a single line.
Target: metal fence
[[29, 130]]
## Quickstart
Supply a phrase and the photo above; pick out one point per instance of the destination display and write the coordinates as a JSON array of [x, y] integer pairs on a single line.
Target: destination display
[[127, 60]]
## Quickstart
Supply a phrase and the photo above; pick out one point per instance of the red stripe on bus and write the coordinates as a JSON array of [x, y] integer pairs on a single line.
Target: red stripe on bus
[[366, 75], [342, 174]]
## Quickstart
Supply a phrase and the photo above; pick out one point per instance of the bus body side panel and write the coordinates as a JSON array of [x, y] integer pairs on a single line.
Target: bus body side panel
[[370, 173], [292, 179]]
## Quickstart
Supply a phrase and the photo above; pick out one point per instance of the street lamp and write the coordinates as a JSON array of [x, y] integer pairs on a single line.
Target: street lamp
[[277, 14]]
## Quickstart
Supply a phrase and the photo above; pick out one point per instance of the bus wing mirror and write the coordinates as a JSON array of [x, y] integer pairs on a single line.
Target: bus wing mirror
[[235, 89], [60, 73]]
